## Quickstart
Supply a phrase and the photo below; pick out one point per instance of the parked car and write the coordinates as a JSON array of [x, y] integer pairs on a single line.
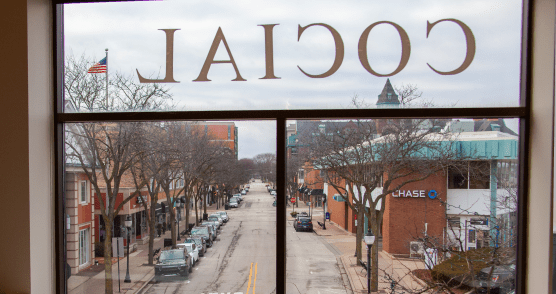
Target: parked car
[[192, 250], [501, 280], [216, 217], [173, 262], [243, 192], [238, 196], [212, 229], [303, 223], [233, 202], [224, 216], [273, 193], [274, 203], [199, 242], [214, 224], [204, 233]]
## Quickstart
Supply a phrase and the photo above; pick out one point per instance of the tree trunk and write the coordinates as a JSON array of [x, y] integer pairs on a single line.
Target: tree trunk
[[205, 203], [196, 213], [374, 253], [173, 227], [359, 233], [152, 232], [108, 258], [187, 212]]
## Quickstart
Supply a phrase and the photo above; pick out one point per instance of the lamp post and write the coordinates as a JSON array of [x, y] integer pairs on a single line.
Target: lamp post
[[369, 240], [128, 223]]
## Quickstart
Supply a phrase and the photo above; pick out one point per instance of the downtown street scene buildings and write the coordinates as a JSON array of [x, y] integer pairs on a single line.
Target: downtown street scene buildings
[[470, 203]]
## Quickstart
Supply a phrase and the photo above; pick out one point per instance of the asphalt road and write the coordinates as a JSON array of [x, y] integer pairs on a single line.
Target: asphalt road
[[243, 260]]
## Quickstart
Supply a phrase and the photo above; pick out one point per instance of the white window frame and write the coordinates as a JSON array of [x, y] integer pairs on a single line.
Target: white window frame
[[84, 247], [80, 191]]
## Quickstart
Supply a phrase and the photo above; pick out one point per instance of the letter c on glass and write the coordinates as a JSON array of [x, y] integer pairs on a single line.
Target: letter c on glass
[[362, 48], [469, 39], [338, 43]]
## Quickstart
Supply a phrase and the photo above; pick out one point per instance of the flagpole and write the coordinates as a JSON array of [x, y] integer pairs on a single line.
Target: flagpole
[[106, 79]]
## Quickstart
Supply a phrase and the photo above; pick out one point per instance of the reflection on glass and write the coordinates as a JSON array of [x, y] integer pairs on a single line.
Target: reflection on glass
[[164, 192], [211, 55], [438, 195]]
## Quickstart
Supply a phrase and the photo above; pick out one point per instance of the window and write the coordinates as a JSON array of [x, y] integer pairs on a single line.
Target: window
[[84, 246], [479, 175], [454, 222], [83, 192], [458, 178]]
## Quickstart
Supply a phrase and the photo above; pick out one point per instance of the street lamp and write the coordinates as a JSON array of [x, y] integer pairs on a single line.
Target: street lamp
[[369, 240], [128, 223]]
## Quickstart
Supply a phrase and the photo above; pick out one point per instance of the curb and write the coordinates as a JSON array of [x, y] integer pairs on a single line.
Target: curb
[[345, 276], [145, 280], [349, 277]]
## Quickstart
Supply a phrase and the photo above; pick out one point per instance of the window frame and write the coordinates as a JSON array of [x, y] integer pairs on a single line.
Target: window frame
[[522, 112], [83, 189]]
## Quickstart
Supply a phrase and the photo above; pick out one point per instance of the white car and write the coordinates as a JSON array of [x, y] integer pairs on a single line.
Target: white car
[[273, 193], [234, 203], [192, 250], [243, 192], [217, 216], [224, 215]]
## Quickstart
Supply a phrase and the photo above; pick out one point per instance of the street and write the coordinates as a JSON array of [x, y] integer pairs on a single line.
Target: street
[[243, 258]]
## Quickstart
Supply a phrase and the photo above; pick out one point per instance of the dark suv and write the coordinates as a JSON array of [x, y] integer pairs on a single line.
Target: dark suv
[[173, 262], [303, 223]]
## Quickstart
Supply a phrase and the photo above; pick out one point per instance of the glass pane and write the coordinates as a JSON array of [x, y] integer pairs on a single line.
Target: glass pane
[[158, 188], [209, 55], [388, 183]]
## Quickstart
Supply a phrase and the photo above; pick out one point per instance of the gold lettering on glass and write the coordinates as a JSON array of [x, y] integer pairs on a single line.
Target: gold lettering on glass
[[469, 40], [362, 48], [203, 75], [169, 77], [339, 46]]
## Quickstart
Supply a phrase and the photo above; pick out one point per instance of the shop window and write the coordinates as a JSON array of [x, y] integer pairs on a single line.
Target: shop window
[[454, 222], [479, 175], [84, 246], [457, 178]]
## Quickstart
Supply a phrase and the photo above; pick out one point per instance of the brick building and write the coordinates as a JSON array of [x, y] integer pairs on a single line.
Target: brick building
[[80, 227]]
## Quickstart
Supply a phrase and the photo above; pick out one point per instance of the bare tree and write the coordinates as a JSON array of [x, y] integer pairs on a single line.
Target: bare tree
[[357, 163], [149, 170], [106, 154], [106, 151]]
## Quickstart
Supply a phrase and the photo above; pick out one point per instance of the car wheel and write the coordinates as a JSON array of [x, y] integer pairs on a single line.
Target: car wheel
[[190, 269]]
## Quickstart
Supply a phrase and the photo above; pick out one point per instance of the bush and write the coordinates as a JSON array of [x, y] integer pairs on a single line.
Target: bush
[[293, 213], [457, 269]]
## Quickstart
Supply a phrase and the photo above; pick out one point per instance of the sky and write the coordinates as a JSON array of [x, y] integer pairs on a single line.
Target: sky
[[132, 33]]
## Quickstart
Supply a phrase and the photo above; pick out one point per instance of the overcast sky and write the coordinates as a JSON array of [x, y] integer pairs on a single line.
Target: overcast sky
[[131, 32]]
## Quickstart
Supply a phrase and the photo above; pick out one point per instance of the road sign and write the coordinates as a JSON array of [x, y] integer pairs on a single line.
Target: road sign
[[293, 200], [118, 247], [328, 215]]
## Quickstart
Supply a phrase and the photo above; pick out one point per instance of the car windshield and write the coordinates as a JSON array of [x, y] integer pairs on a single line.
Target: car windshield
[[199, 231], [233, 201], [304, 220], [214, 218], [171, 255]]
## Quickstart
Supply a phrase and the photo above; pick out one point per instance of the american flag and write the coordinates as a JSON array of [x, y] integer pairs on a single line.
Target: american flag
[[99, 67]]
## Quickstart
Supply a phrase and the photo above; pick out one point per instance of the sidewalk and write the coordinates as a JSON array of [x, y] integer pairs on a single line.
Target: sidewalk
[[92, 282], [390, 268]]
